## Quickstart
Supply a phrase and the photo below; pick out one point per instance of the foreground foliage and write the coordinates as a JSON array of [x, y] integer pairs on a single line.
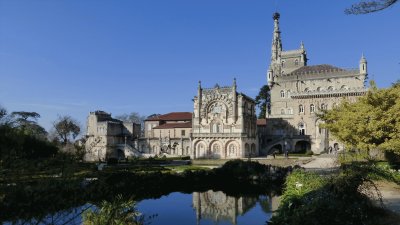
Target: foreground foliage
[[371, 123], [344, 198], [117, 212]]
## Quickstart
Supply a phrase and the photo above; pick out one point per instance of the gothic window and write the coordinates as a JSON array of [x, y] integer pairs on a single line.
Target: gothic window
[[216, 148], [290, 111], [301, 109], [282, 94], [323, 106], [232, 149], [312, 108], [282, 111], [302, 129], [216, 128]]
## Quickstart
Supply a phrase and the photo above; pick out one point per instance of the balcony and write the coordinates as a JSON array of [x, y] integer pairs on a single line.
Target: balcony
[[330, 93], [219, 135]]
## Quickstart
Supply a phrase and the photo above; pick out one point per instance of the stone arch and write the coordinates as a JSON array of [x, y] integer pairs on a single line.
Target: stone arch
[[246, 149], [200, 149], [120, 154], [216, 150], [232, 149], [253, 150], [277, 149], [302, 146], [225, 112]]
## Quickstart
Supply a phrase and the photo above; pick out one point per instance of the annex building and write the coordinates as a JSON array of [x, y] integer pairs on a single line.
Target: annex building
[[298, 91]]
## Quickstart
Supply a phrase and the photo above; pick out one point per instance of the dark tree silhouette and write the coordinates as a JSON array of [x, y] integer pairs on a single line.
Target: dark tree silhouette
[[262, 101], [66, 127], [365, 7]]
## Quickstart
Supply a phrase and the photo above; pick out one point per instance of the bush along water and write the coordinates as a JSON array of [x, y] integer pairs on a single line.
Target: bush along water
[[346, 198], [39, 197]]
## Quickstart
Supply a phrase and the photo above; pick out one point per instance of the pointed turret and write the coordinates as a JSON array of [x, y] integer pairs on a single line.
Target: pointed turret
[[363, 65], [234, 96], [276, 40]]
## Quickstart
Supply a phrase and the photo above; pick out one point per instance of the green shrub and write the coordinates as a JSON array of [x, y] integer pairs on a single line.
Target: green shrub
[[393, 159]]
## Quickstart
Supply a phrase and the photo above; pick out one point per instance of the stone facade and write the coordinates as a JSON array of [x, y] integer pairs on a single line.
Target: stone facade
[[167, 134], [217, 206], [110, 138], [299, 91], [224, 124]]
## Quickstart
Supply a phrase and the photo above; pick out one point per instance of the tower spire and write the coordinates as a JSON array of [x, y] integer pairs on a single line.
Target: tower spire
[[276, 39]]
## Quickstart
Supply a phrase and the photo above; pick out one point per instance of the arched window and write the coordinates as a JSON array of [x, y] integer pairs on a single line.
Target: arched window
[[324, 107], [282, 94], [288, 94], [296, 62], [302, 129], [216, 128], [301, 109], [290, 111], [312, 108], [282, 111], [232, 149]]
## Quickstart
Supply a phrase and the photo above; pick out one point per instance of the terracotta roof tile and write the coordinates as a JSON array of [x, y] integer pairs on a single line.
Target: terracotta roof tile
[[261, 122], [174, 125], [173, 116]]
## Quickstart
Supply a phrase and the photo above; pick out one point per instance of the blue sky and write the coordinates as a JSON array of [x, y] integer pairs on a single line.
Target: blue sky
[[70, 57]]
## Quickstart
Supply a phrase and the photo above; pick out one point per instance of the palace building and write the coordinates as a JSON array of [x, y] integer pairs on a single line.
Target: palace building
[[224, 123], [298, 91]]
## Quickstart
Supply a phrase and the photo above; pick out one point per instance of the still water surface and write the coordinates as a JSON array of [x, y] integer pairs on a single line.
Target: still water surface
[[207, 208], [198, 208]]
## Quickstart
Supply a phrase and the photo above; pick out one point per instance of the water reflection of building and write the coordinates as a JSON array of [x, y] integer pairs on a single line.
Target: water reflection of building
[[217, 206]]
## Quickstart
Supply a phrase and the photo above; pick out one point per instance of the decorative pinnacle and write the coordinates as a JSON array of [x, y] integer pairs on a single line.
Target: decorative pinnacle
[[199, 83], [302, 45], [363, 59], [234, 81], [276, 16]]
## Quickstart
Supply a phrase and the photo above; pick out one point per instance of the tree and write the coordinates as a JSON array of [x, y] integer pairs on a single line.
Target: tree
[[373, 122], [3, 112], [133, 117], [263, 101], [26, 122], [365, 7], [66, 128]]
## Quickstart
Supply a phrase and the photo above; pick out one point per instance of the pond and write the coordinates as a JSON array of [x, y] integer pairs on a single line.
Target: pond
[[209, 207]]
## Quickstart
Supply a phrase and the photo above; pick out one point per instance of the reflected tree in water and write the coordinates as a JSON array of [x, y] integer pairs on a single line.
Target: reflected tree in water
[[117, 212]]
